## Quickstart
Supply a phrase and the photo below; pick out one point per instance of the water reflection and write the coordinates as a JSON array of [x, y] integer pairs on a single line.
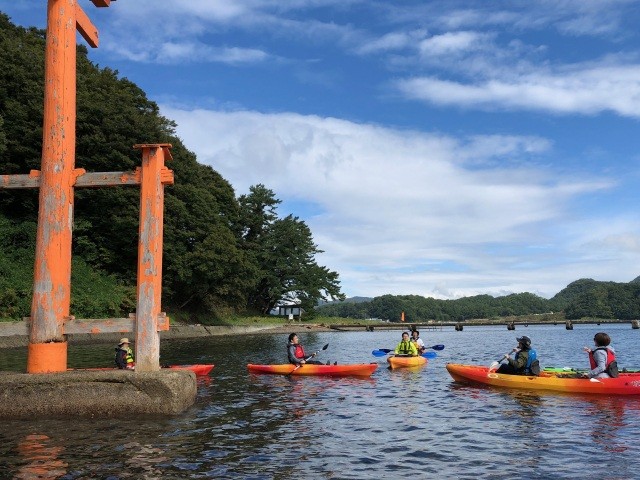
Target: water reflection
[[408, 422], [39, 458], [609, 421]]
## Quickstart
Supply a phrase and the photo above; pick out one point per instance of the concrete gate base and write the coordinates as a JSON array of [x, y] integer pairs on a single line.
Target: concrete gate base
[[91, 393]]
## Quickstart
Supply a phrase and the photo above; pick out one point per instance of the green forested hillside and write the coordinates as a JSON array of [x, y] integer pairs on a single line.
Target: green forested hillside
[[218, 255], [582, 298], [222, 254]]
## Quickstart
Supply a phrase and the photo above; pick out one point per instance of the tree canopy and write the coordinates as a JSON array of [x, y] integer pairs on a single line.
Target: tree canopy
[[218, 253]]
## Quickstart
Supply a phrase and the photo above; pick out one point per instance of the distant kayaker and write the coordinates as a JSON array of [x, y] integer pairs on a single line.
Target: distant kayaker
[[406, 346], [415, 338], [525, 361], [124, 355], [296, 354], [602, 358]]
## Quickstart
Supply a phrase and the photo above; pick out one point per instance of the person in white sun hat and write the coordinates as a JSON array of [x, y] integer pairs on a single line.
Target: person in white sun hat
[[124, 355]]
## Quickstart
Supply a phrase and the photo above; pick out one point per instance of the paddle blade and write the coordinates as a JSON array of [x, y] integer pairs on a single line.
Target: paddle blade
[[437, 347], [429, 355], [378, 353], [325, 347], [493, 366]]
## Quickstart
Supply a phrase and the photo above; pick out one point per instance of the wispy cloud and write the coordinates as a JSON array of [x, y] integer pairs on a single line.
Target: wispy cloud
[[410, 197], [578, 90]]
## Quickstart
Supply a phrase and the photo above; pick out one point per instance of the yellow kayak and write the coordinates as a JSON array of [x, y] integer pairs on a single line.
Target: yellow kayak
[[404, 361]]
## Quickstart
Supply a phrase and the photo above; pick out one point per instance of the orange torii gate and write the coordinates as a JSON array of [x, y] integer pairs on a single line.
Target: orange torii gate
[[50, 317]]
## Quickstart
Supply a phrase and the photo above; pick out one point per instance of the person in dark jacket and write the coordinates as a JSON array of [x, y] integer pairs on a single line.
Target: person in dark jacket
[[525, 361], [124, 355]]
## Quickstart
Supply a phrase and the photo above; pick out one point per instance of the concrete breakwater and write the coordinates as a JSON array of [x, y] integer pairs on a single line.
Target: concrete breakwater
[[92, 393]]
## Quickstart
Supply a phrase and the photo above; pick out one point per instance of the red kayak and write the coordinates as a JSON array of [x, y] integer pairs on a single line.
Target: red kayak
[[198, 369], [355, 370]]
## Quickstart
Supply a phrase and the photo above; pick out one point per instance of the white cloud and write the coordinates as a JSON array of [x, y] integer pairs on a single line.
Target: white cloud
[[453, 43], [584, 90], [400, 207], [392, 41]]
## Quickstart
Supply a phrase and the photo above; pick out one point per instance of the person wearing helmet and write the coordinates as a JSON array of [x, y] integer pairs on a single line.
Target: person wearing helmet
[[525, 361]]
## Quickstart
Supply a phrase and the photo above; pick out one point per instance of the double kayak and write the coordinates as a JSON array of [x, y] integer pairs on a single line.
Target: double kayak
[[583, 370], [355, 370], [404, 361], [625, 384]]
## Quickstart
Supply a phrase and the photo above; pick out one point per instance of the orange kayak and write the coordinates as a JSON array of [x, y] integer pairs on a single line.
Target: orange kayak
[[357, 369], [401, 361], [625, 384]]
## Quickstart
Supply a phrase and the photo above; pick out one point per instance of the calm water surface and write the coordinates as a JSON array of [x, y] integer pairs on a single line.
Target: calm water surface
[[397, 423]]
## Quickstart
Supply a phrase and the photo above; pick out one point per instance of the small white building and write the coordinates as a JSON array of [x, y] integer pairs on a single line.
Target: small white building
[[294, 312]]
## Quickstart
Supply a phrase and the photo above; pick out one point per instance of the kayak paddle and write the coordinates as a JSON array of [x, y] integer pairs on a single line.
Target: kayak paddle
[[308, 358], [381, 352], [385, 351]]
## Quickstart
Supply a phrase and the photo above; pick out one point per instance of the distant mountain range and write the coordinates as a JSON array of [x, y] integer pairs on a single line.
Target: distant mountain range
[[583, 298]]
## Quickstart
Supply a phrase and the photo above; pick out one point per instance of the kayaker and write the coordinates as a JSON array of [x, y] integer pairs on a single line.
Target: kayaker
[[296, 354], [525, 361], [124, 355], [415, 338], [406, 346], [602, 358]]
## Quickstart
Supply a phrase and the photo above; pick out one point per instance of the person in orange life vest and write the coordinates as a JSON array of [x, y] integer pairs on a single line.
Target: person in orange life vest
[[296, 354], [124, 355], [415, 338], [602, 357]]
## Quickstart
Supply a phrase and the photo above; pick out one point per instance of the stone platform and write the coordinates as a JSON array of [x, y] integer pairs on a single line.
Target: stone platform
[[93, 393]]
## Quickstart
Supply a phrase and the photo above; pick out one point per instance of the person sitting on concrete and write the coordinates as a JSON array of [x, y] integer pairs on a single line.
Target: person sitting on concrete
[[124, 355]]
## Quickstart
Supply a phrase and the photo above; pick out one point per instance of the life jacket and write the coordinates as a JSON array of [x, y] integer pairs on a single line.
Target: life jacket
[[611, 364], [129, 358], [405, 348], [533, 365], [299, 353]]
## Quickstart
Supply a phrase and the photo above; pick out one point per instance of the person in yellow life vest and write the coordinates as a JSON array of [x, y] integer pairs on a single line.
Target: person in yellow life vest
[[406, 346], [124, 355]]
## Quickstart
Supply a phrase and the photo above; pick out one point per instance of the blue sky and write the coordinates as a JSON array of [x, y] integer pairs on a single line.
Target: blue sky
[[439, 148]]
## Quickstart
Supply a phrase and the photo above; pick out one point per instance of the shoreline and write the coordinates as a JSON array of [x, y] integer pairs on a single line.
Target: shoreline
[[12, 333], [10, 340]]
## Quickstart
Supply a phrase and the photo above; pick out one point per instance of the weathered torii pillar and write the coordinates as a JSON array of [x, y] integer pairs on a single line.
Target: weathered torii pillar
[[50, 318], [52, 271]]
